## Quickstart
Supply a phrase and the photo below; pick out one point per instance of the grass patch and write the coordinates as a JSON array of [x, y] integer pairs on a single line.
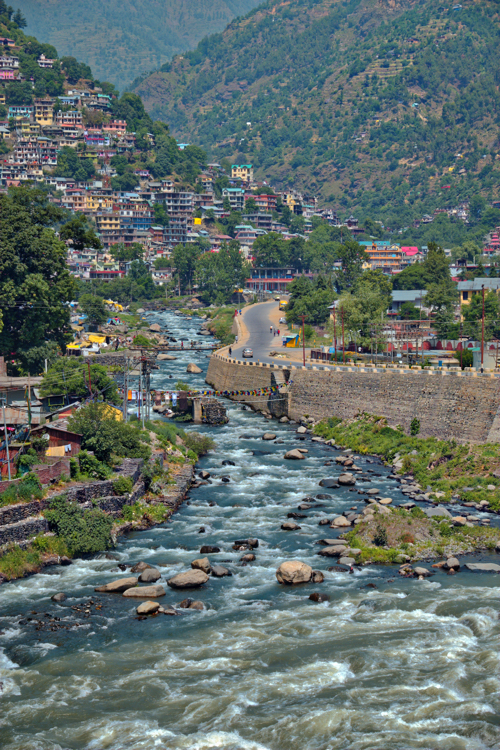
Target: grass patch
[[17, 562], [444, 465]]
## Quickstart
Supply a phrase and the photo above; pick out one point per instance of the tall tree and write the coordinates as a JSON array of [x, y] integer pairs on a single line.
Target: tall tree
[[35, 284], [351, 256]]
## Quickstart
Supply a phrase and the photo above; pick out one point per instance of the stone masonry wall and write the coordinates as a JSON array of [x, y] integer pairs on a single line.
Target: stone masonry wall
[[449, 405], [229, 375]]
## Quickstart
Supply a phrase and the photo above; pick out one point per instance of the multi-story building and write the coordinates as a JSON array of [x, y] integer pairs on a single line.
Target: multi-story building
[[383, 255], [243, 172], [44, 114], [236, 197], [21, 110], [72, 118], [45, 62]]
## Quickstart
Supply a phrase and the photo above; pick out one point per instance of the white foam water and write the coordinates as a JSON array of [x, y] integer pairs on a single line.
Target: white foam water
[[408, 665]]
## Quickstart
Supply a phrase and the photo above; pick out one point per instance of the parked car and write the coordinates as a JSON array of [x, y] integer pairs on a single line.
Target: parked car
[[247, 352], [277, 299], [282, 321]]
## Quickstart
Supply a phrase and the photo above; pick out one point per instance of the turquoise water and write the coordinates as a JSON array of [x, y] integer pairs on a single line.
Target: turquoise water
[[408, 664]]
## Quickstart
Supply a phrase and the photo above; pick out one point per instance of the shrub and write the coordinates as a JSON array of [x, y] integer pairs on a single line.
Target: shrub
[[83, 531], [123, 485], [415, 426], [199, 444], [90, 466], [407, 538], [74, 468], [380, 538], [8, 496], [445, 529]]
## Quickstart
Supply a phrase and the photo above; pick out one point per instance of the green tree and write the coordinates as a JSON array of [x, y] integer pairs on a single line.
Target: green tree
[[81, 233], [410, 312], [94, 309], [70, 165], [351, 256], [270, 250], [105, 436], [35, 284], [250, 206], [411, 278], [70, 376], [161, 215], [219, 274], [122, 253], [473, 313], [184, 259], [441, 298]]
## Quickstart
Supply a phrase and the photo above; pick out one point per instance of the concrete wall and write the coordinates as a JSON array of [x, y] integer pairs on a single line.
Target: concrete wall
[[449, 405]]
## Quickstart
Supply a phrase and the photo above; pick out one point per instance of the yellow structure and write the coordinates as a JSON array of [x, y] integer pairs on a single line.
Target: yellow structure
[[113, 411], [44, 114], [96, 202], [242, 171]]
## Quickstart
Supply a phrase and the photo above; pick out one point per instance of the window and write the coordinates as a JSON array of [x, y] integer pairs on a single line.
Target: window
[[465, 295]]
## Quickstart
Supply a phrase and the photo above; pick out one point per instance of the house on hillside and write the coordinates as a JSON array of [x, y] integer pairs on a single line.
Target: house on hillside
[[467, 289], [399, 297], [243, 172]]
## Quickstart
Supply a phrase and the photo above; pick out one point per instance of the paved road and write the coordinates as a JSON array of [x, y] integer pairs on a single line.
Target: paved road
[[257, 321]]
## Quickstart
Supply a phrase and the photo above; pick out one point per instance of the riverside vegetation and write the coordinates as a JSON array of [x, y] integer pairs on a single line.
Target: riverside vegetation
[[448, 470], [77, 531]]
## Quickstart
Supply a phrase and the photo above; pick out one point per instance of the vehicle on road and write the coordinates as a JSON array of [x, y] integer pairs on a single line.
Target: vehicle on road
[[277, 299], [282, 321], [283, 303], [247, 352]]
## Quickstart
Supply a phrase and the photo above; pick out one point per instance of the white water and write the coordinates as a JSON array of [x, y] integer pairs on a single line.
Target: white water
[[409, 664]]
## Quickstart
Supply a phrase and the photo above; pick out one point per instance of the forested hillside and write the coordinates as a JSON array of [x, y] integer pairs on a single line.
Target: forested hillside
[[386, 107], [121, 40]]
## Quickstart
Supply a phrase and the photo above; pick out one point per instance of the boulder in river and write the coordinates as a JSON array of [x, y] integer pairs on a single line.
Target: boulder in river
[[145, 592], [316, 597], [150, 575], [451, 564], [247, 558], [190, 604], [294, 454], [227, 462], [194, 369], [294, 571], [155, 328], [58, 598], [219, 571], [117, 587], [301, 430], [148, 608], [340, 522], [165, 357], [251, 543], [332, 551], [487, 567], [269, 436], [422, 572], [346, 479], [191, 579], [347, 561], [290, 526], [139, 567], [330, 482], [439, 511], [208, 549], [317, 576], [202, 563]]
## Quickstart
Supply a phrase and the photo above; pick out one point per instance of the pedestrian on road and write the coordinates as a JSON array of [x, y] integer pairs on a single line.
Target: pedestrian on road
[[230, 352], [270, 329], [278, 331]]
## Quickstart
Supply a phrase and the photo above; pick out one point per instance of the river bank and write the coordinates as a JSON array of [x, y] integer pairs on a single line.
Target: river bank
[[384, 662]]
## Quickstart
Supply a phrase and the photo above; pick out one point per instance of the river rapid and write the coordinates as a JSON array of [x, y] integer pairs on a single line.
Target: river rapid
[[403, 664]]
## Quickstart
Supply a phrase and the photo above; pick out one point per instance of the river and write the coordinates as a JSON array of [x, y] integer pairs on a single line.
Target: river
[[403, 664]]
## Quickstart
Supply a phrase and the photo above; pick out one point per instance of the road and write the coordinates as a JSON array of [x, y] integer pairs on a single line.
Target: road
[[256, 322]]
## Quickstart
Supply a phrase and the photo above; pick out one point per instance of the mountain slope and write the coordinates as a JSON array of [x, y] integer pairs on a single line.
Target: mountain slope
[[388, 106], [122, 39]]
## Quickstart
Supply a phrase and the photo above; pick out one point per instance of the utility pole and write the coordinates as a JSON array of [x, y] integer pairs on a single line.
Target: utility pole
[[140, 400], [462, 346], [303, 342], [6, 437], [125, 391], [335, 332], [482, 331], [343, 339]]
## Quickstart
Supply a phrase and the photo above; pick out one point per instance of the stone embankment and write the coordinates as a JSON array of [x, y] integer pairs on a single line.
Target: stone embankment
[[449, 405]]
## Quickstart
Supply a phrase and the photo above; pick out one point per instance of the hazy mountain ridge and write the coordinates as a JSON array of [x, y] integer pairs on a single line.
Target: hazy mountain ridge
[[366, 102], [122, 40]]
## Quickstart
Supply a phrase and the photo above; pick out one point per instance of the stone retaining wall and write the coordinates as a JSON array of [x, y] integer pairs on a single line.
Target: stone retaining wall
[[19, 532], [449, 405], [45, 473]]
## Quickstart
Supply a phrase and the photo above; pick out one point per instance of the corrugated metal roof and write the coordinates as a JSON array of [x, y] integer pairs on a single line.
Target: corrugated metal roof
[[409, 295], [476, 284]]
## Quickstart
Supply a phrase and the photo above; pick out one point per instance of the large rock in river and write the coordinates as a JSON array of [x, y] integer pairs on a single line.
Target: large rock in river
[[346, 479], [145, 592], [117, 587], [294, 571], [193, 368], [148, 608], [202, 563], [191, 579], [488, 567], [165, 357], [294, 454], [150, 575]]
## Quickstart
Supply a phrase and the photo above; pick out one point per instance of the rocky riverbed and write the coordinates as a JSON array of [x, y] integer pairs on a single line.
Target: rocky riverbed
[[366, 658]]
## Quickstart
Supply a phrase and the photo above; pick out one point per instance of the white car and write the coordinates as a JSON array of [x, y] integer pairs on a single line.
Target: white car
[[247, 352], [282, 321]]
